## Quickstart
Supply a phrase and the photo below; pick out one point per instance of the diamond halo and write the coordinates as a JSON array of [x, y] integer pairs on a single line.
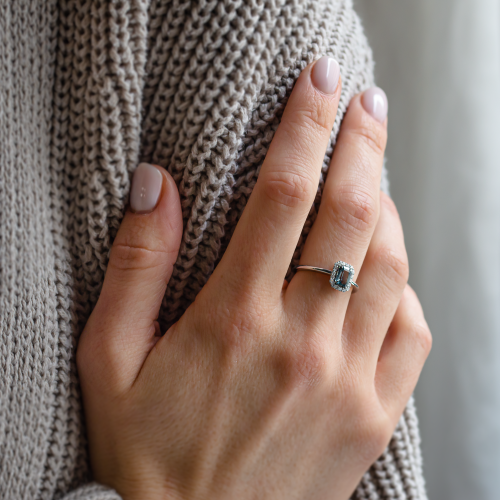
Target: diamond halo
[[341, 276]]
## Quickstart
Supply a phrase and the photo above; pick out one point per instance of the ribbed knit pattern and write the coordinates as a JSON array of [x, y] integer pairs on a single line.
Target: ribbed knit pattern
[[87, 89]]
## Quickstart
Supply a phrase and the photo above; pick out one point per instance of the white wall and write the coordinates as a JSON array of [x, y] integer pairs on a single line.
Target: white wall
[[439, 62]]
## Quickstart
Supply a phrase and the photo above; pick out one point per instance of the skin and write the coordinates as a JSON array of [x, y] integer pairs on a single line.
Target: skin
[[262, 389]]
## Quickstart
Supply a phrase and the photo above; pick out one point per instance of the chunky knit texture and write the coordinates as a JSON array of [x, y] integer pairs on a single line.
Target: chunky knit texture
[[87, 89]]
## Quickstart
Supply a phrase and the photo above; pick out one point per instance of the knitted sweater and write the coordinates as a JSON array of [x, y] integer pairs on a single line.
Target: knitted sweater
[[88, 88]]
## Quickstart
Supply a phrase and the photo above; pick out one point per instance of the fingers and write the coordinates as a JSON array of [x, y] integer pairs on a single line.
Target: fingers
[[122, 325], [382, 280], [403, 354], [349, 207], [266, 236]]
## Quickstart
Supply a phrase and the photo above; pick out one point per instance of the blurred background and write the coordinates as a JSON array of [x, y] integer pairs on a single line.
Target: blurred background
[[439, 62]]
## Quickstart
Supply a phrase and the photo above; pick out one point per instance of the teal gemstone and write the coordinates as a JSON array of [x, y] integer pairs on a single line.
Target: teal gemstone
[[341, 276]]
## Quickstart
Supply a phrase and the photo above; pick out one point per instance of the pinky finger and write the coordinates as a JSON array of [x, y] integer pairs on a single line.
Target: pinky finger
[[403, 354]]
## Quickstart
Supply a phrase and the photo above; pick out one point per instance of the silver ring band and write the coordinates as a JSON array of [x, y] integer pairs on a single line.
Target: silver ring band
[[340, 276]]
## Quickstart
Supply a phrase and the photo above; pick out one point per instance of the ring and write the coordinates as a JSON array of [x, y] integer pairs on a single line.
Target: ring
[[340, 276]]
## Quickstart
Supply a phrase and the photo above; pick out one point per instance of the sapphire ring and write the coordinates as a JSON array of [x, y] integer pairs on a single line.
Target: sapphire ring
[[340, 276]]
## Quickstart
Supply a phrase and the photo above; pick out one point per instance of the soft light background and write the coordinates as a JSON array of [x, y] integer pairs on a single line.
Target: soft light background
[[439, 62]]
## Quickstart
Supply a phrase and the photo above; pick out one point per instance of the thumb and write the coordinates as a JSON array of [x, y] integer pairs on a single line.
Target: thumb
[[121, 330]]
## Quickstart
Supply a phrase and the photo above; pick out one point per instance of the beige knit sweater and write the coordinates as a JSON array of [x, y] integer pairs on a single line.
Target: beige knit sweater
[[87, 89]]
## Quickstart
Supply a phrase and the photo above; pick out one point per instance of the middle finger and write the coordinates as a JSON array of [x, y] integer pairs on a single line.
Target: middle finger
[[265, 238]]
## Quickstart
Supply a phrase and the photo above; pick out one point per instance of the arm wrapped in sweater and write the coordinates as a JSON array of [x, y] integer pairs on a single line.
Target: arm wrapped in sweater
[[90, 88]]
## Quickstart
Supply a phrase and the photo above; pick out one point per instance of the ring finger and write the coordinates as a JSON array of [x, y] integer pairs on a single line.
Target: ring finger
[[348, 212]]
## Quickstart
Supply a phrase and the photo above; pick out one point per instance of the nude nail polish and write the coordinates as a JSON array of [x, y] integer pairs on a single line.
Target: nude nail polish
[[375, 102], [325, 75], [146, 189]]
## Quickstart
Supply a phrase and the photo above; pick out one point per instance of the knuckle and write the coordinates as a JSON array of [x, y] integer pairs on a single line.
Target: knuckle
[[354, 208], [372, 135], [100, 364], [394, 264], [304, 131], [388, 203], [288, 189], [422, 335], [312, 121], [125, 256]]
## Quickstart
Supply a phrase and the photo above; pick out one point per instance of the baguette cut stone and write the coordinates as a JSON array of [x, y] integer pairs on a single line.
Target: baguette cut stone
[[341, 276]]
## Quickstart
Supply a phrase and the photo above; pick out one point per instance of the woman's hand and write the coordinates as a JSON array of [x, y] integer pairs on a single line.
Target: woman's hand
[[262, 389]]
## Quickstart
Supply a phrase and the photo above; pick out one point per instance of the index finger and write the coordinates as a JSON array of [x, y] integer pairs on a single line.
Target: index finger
[[266, 236]]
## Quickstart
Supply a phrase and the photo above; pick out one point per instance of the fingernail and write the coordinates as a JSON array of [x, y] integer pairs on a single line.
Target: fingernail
[[375, 102], [325, 75], [146, 189]]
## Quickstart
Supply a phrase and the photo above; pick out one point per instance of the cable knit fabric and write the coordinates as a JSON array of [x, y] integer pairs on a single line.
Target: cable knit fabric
[[88, 88]]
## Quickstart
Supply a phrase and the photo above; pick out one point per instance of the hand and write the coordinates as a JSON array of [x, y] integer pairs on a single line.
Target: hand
[[262, 389]]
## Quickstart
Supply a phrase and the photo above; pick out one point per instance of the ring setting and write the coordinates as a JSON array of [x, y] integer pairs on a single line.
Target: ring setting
[[340, 276]]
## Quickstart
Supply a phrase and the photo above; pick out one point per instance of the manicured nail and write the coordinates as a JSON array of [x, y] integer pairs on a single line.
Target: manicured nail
[[375, 102], [325, 75], [146, 189]]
